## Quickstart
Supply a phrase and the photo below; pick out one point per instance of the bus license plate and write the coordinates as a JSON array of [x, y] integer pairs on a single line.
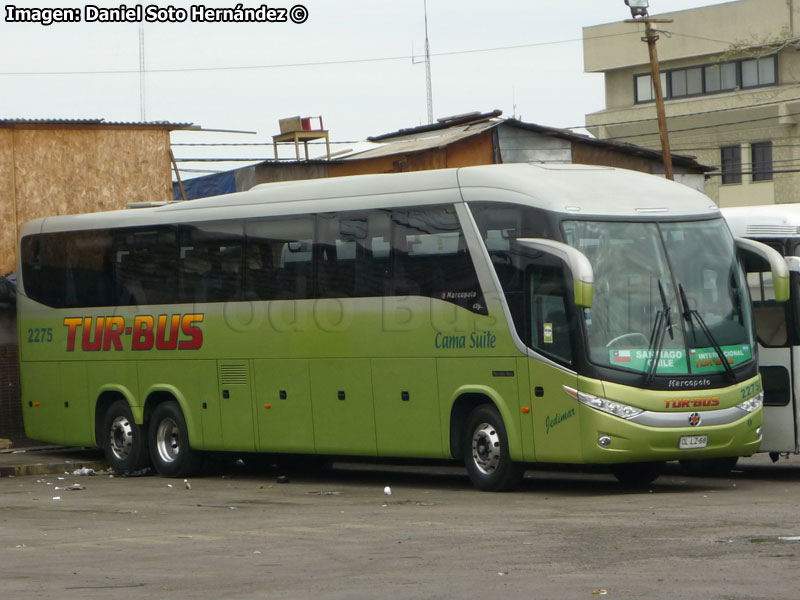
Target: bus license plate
[[689, 442]]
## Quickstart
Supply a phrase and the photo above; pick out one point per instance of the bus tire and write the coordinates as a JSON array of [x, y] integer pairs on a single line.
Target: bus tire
[[486, 454], [709, 467], [637, 473], [124, 442], [169, 442]]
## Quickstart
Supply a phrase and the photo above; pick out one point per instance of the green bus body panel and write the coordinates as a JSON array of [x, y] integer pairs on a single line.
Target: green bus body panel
[[502, 391], [342, 407], [370, 349], [556, 422], [631, 441], [283, 405], [191, 383], [407, 416], [236, 405], [525, 395], [58, 409]]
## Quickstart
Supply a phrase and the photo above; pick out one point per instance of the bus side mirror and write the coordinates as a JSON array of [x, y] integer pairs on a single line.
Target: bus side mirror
[[777, 264], [578, 264]]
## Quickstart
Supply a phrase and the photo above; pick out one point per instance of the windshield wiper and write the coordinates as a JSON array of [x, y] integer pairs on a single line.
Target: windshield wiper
[[689, 314], [661, 325]]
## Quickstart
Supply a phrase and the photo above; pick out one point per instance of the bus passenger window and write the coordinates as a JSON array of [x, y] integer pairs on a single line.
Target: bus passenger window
[[353, 254], [69, 270], [278, 259], [210, 262], [431, 258], [145, 265]]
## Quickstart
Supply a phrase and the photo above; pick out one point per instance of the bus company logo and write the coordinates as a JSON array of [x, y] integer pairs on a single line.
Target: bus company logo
[[694, 419], [702, 402], [144, 332]]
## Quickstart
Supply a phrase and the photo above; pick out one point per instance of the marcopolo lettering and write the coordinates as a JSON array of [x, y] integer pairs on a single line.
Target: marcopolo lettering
[[145, 332]]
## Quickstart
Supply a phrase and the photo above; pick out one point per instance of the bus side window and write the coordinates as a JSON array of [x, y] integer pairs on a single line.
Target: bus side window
[[549, 325], [145, 265], [278, 259], [87, 268], [431, 258], [70, 269], [353, 254], [770, 316], [210, 262]]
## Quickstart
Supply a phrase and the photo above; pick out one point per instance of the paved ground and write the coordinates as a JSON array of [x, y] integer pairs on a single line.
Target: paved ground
[[237, 534]]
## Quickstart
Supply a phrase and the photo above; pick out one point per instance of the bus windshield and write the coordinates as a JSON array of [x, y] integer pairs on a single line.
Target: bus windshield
[[673, 287]]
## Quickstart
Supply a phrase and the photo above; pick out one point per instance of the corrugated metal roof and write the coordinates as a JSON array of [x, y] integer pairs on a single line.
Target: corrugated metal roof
[[439, 135], [8, 123], [419, 141], [443, 123]]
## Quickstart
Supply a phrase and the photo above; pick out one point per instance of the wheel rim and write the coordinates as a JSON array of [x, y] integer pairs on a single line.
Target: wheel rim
[[168, 440], [120, 437], [486, 450]]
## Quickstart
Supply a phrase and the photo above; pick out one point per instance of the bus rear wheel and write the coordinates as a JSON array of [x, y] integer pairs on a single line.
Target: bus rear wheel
[[169, 442], [486, 454], [124, 445]]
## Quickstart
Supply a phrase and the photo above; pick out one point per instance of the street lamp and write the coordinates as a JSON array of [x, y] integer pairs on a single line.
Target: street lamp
[[638, 7]]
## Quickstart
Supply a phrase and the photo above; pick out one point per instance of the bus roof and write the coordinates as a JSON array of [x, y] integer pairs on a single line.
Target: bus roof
[[579, 190], [770, 221]]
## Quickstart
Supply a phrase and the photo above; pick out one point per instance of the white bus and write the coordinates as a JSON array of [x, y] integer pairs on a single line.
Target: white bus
[[777, 324]]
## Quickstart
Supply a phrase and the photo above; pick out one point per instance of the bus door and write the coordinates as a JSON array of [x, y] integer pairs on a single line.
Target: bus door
[[556, 425], [777, 358]]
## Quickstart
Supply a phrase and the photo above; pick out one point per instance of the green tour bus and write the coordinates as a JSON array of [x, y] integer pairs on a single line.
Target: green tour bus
[[501, 315]]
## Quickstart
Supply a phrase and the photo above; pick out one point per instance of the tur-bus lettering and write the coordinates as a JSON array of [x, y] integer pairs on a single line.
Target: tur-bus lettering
[[164, 332]]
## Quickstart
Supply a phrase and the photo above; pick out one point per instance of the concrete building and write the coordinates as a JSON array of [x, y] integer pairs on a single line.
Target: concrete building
[[731, 79]]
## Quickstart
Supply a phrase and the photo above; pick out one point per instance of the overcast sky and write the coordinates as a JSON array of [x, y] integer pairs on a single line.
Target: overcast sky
[[247, 76]]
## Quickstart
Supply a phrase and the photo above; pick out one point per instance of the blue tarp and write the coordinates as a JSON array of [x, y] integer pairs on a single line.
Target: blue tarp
[[208, 185]]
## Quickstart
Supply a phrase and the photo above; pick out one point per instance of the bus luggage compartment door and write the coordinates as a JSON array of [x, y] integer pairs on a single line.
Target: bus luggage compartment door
[[236, 407]]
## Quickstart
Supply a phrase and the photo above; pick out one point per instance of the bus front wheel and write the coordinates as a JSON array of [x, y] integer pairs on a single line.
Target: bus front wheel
[[124, 444], [486, 454], [169, 442]]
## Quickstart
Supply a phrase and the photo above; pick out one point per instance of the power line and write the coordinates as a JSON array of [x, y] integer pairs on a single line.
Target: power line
[[313, 63]]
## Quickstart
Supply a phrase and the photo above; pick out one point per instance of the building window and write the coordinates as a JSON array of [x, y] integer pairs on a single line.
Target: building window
[[720, 78], [710, 79], [761, 153], [759, 71], [686, 82], [731, 164], [644, 88]]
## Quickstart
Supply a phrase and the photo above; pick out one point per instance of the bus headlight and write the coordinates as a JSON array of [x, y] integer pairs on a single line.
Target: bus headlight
[[618, 409], [752, 404]]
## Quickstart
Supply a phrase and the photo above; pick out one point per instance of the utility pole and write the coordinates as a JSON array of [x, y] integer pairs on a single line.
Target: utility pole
[[651, 38], [639, 9]]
